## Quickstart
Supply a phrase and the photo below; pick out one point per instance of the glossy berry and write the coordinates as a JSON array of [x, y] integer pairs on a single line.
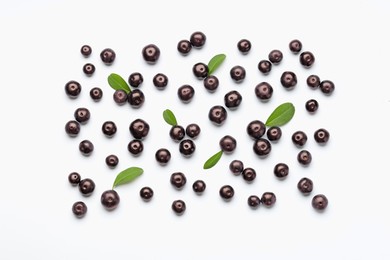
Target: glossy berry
[[304, 157], [139, 128], [110, 199], [151, 53], [299, 138], [178, 180], [321, 136], [268, 199], [327, 87], [112, 160], [288, 79], [163, 156], [108, 56], [236, 167], [307, 59], [264, 66], [264, 91], [295, 46], [74, 178], [255, 129], [274, 133], [136, 98], [199, 186], [109, 128], [211, 83], [184, 47], [160, 81], [262, 147], [72, 128], [86, 186], [249, 174], [232, 99], [198, 39], [305, 186], [319, 202], [187, 147], [120, 96], [237, 73], [72, 89], [135, 147], [135, 79], [244, 46], [226, 192], [179, 207], [82, 115], [311, 105], [177, 133], [227, 144], [313, 81], [86, 50], [200, 70], [217, 114], [96, 94], [89, 69], [146, 193], [275, 56], [254, 201], [186, 93], [281, 170], [79, 209], [86, 147], [193, 130]]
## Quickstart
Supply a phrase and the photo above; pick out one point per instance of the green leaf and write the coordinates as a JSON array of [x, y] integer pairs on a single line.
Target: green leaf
[[281, 115], [169, 117], [127, 176], [213, 160], [215, 62], [117, 83]]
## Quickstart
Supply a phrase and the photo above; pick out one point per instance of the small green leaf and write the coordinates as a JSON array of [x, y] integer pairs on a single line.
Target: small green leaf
[[281, 115], [127, 175], [169, 117], [117, 83], [213, 160], [215, 62]]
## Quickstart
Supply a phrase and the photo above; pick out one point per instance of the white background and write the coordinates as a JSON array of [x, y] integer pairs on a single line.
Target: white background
[[40, 51]]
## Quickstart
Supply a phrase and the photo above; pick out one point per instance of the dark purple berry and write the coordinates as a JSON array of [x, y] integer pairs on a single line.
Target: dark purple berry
[[244, 46], [295, 46], [112, 160], [146, 193], [319, 202], [136, 98], [327, 87], [107, 56], [186, 93], [89, 69], [226, 192], [321, 136], [79, 209], [86, 147], [187, 147], [178, 180], [178, 206], [120, 96], [299, 138], [139, 128], [135, 147], [274, 133], [307, 59], [86, 186], [163, 156], [96, 94], [177, 133], [264, 66], [262, 147], [217, 114], [304, 157], [305, 185], [228, 144], [268, 199], [311, 105], [110, 199], [255, 129], [200, 70], [160, 81], [86, 50], [136, 79], [249, 174], [281, 170], [184, 46], [232, 99], [72, 128], [275, 56], [254, 201], [72, 89], [313, 81], [199, 186], [237, 73], [82, 115], [74, 178], [236, 167], [288, 79], [264, 91], [198, 39], [211, 83], [193, 130], [151, 53], [109, 128]]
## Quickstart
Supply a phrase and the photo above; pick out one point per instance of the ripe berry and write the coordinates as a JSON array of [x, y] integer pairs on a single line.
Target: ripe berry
[[211, 83], [139, 128], [275, 56], [177, 133], [187, 147], [74, 178], [319, 202], [200, 70], [72, 128], [244, 46], [217, 114], [305, 185], [178, 206], [237, 73], [264, 91], [254, 201], [288, 79], [120, 96], [299, 138], [110, 199], [89, 69], [135, 79], [236, 167], [107, 56], [255, 129], [186, 93], [274, 133], [268, 199], [109, 128], [264, 66], [226, 192], [72, 89], [135, 147], [249, 174], [146, 193], [307, 59], [96, 94], [304, 157], [311, 105], [193, 130], [321, 136], [178, 180], [136, 98], [184, 46], [86, 147], [262, 147], [151, 53], [82, 115], [112, 160], [281, 170], [327, 87], [86, 50], [295, 46], [163, 156], [86, 186], [232, 99], [79, 209], [160, 81], [228, 144], [198, 39], [199, 186]]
